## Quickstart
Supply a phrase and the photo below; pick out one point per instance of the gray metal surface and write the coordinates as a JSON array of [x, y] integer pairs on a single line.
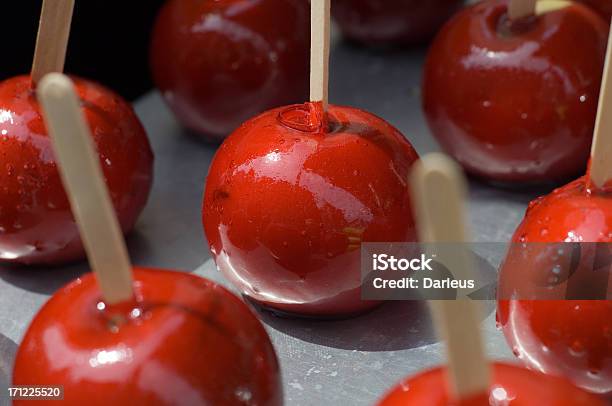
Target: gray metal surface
[[323, 362]]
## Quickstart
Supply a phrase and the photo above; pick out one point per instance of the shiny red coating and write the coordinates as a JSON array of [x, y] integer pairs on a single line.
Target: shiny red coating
[[563, 337], [36, 223], [184, 340], [218, 63], [516, 102], [512, 386], [604, 7], [292, 194], [392, 22]]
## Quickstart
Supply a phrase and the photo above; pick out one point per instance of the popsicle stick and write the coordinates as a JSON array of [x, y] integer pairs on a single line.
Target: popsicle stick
[[81, 173], [52, 40], [548, 6], [438, 190], [601, 154], [521, 8], [319, 51]]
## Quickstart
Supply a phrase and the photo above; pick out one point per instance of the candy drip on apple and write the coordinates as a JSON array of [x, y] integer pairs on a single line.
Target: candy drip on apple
[[134, 335], [36, 224]]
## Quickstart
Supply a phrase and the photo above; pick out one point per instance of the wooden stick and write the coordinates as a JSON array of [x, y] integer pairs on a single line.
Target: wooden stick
[[319, 51], [601, 154], [521, 8], [548, 6], [438, 190], [79, 166], [52, 40]]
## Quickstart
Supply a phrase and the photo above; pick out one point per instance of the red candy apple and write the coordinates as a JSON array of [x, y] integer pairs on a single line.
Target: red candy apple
[[516, 101], [36, 224], [292, 194], [184, 340], [512, 386], [218, 63], [563, 337], [392, 21]]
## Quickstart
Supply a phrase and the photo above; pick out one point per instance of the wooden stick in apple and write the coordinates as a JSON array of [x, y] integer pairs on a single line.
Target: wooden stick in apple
[[319, 51], [438, 190], [83, 180], [521, 8], [601, 154], [548, 6], [52, 40]]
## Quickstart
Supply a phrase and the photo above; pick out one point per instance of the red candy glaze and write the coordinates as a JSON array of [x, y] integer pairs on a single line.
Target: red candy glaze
[[218, 63], [36, 223], [185, 340], [604, 7], [289, 199], [563, 337], [392, 21], [516, 103], [512, 386]]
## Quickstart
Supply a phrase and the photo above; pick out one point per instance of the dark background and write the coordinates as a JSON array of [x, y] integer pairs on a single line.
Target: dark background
[[109, 41]]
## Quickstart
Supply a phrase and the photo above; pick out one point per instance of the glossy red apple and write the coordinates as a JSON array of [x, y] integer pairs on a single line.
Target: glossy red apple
[[512, 386], [292, 194], [515, 102], [36, 223], [218, 63], [392, 22], [562, 337], [184, 340]]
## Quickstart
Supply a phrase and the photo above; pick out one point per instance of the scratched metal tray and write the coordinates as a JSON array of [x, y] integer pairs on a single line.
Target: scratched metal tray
[[323, 362]]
